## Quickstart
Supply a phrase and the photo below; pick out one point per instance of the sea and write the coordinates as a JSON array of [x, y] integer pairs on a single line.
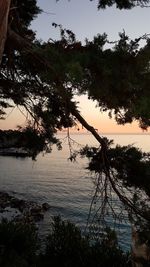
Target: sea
[[66, 186]]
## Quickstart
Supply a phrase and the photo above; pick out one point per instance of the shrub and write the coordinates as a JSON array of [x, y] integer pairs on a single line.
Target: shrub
[[66, 247], [18, 244]]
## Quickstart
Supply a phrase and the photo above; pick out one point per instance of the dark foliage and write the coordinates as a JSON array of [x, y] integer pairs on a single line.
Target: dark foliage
[[22, 13], [122, 4], [129, 164], [18, 244], [31, 140], [65, 246], [105, 73], [124, 171]]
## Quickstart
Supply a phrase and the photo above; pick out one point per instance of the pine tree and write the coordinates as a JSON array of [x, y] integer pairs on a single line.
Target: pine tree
[[43, 78]]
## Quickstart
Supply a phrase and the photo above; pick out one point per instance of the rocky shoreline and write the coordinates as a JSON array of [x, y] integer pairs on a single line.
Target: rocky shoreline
[[15, 209], [14, 152]]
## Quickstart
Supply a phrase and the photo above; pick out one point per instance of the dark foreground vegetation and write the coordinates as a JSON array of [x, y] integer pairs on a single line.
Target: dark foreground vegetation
[[64, 246]]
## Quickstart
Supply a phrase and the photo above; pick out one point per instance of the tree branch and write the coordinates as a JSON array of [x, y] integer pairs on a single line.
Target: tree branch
[[23, 45], [4, 12]]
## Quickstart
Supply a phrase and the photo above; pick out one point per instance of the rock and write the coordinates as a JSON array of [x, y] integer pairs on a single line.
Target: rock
[[45, 206], [36, 209], [29, 211], [4, 200], [19, 204], [38, 217], [37, 213]]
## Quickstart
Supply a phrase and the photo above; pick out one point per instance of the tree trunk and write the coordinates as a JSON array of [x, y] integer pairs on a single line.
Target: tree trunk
[[4, 12]]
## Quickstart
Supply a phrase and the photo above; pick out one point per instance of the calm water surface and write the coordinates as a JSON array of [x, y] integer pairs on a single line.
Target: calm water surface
[[66, 186]]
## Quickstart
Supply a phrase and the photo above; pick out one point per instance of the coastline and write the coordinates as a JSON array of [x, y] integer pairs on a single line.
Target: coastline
[[19, 210]]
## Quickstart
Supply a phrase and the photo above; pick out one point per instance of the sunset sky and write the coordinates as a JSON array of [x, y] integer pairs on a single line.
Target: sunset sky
[[83, 18]]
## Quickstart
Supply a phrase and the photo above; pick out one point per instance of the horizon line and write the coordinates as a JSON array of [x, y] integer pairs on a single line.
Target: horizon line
[[107, 133]]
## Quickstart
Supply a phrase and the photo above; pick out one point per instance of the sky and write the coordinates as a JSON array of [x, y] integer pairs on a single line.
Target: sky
[[83, 18]]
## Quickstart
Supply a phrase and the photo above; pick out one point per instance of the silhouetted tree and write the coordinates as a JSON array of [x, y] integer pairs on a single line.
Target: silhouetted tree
[[122, 4], [43, 77]]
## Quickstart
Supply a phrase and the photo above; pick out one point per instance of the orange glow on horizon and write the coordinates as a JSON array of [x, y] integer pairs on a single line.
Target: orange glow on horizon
[[91, 114]]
